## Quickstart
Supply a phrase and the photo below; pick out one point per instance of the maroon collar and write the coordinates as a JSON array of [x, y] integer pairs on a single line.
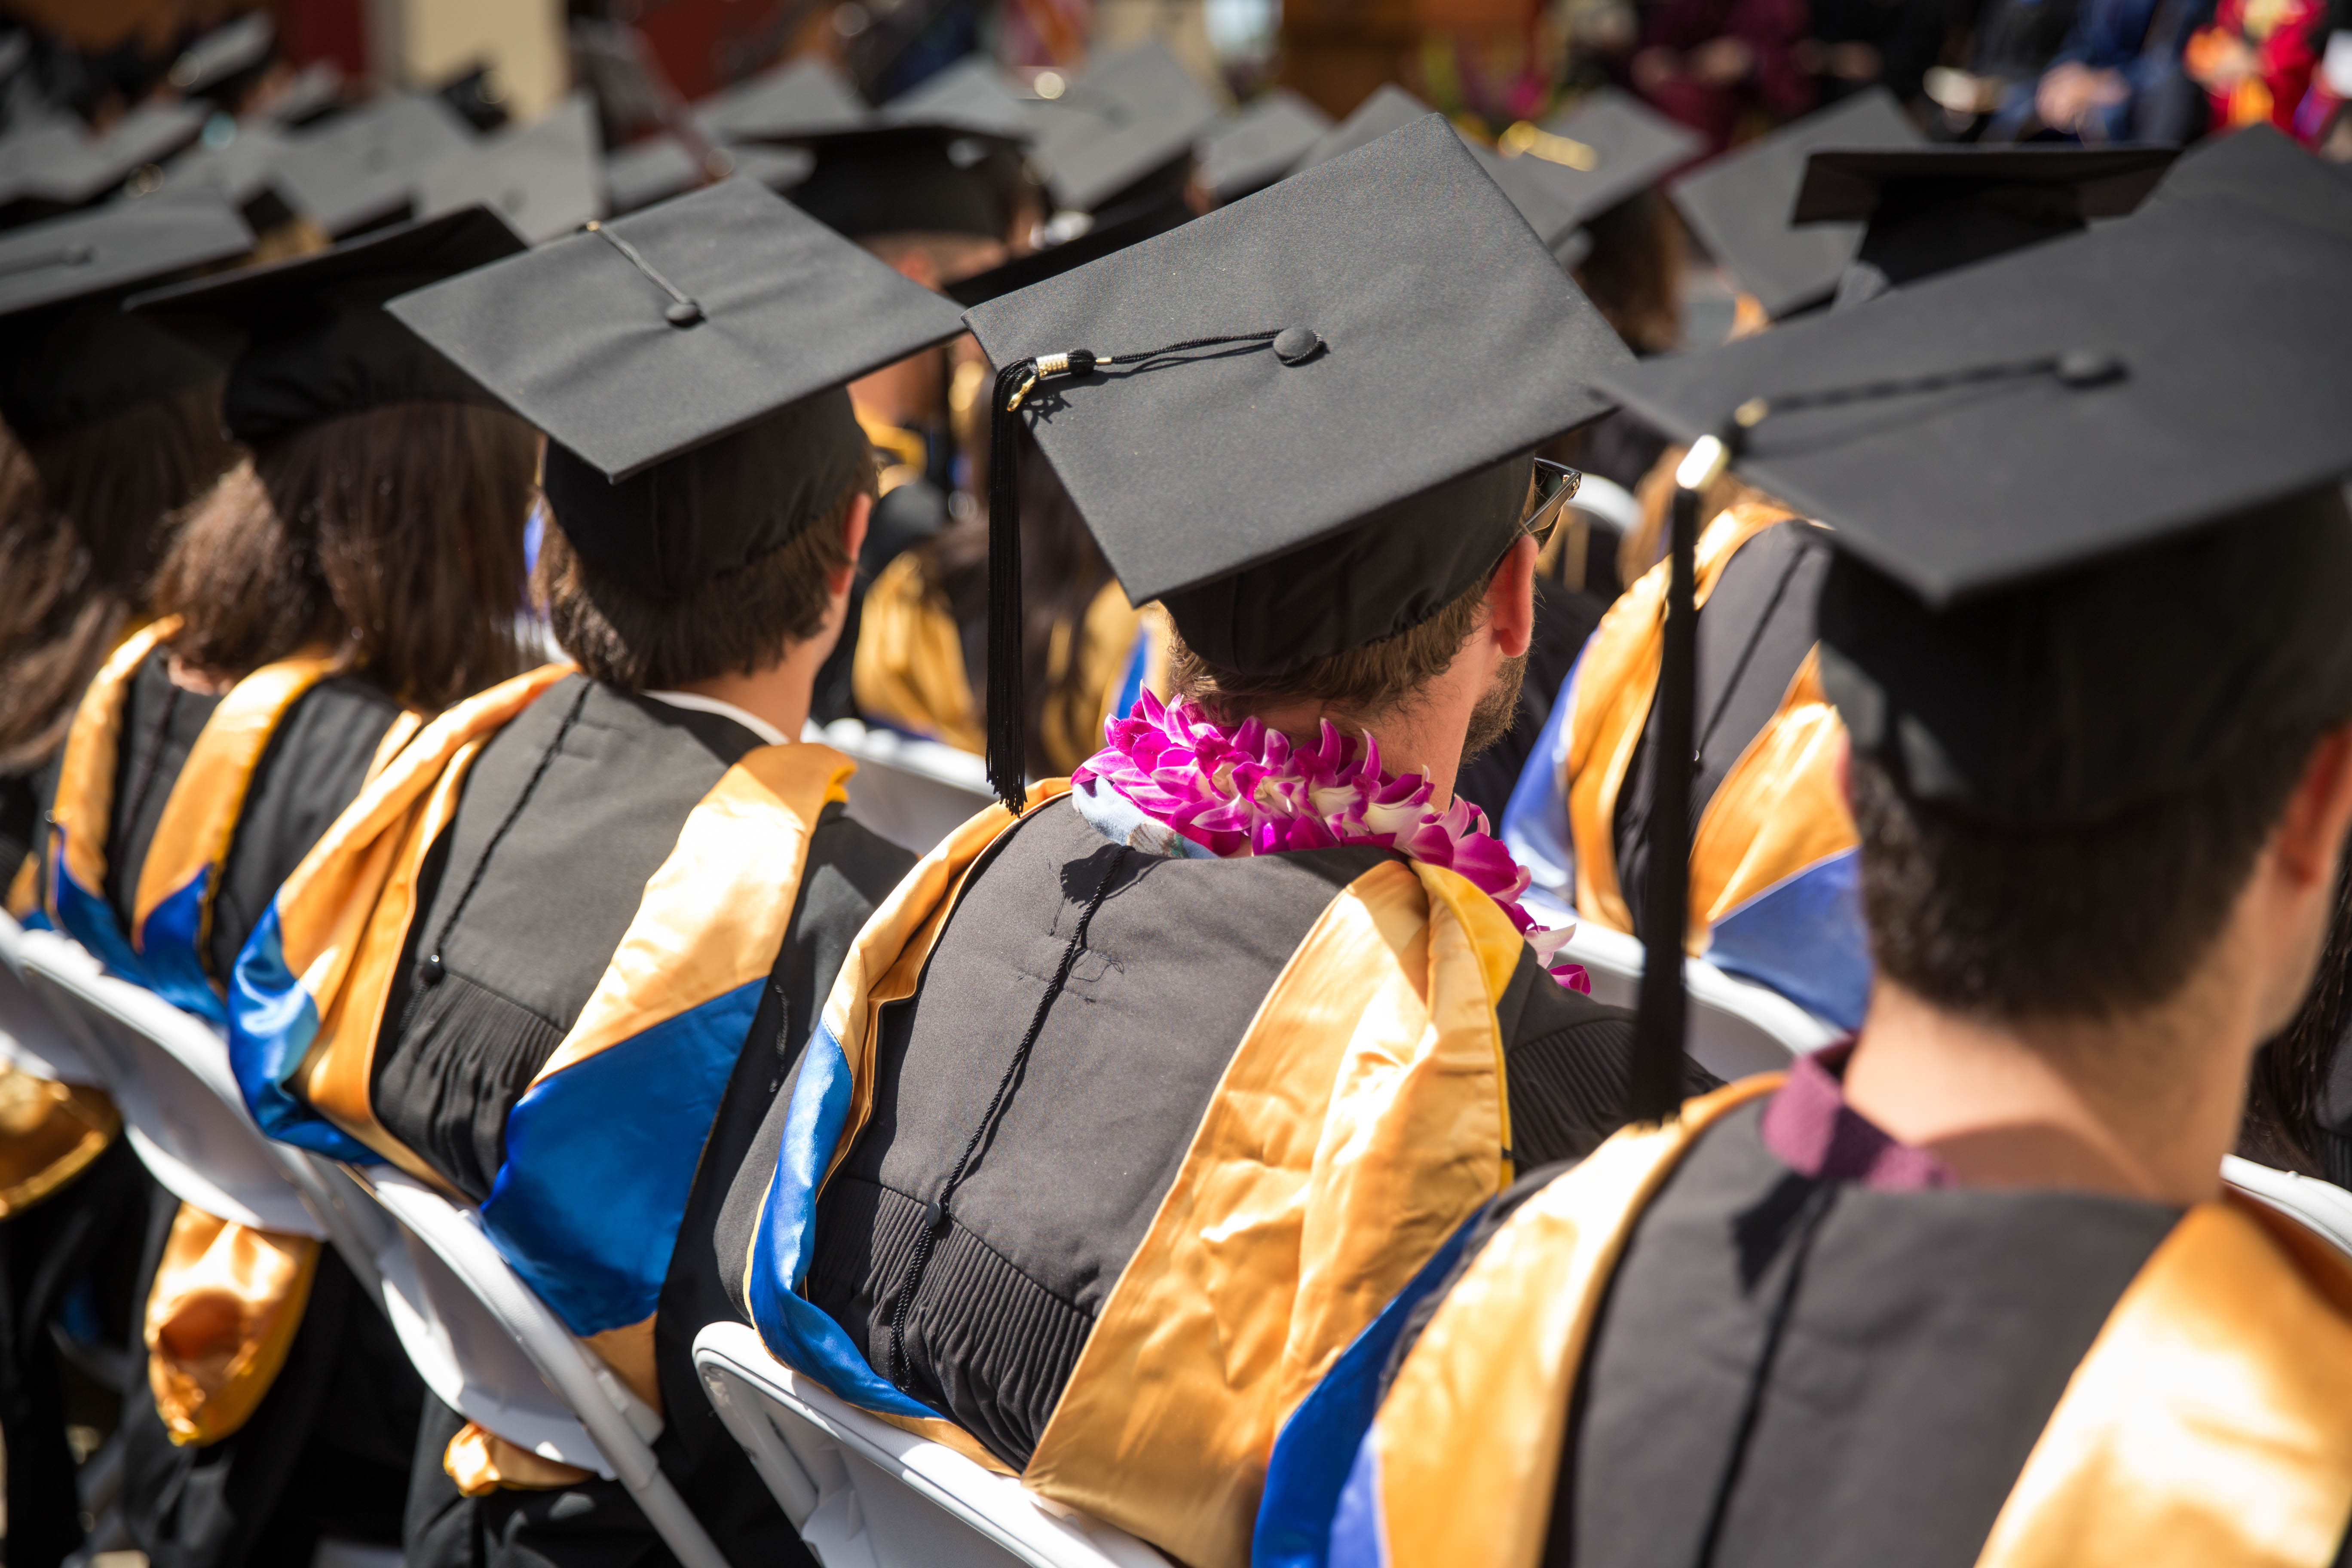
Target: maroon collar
[[1810, 1128]]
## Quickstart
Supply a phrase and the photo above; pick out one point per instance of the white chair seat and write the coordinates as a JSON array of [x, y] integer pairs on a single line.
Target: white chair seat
[[913, 792], [2322, 1207], [864, 1494], [32, 1037]]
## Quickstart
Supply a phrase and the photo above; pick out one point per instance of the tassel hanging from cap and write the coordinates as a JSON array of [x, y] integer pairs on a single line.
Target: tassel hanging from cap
[[1008, 771], [1654, 1080]]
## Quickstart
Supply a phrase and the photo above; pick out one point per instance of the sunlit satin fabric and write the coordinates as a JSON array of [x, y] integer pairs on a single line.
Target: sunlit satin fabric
[[227, 1301], [49, 1132]]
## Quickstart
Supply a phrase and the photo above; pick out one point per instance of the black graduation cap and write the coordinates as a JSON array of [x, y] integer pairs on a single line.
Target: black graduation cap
[[1334, 385], [1607, 150], [2036, 617], [67, 353], [314, 341], [1122, 130], [687, 363], [1929, 209], [1391, 107], [316, 92], [1257, 144], [885, 179], [362, 168], [971, 96], [800, 97], [240, 172], [658, 167], [225, 59], [52, 164], [1740, 205], [542, 178], [1170, 210]]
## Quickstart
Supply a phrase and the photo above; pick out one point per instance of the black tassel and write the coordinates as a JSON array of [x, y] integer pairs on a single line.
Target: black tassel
[[1653, 1088], [1008, 771]]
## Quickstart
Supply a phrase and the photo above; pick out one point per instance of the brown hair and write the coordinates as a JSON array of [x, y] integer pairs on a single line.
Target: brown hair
[[1634, 273], [1377, 677], [84, 514], [393, 535], [2089, 922], [739, 622]]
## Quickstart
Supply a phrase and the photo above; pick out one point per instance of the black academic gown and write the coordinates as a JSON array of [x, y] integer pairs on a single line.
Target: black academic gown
[[1929, 1339], [533, 892], [1178, 957], [327, 1444]]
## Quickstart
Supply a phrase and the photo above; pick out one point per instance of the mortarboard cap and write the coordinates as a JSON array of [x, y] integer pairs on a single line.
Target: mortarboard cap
[[314, 341], [67, 353], [687, 363], [659, 167], [799, 98], [1250, 147], [1128, 120], [1391, 107], [1135, 226], [2085, 498], [971, 96], [225, 59], [316, 92], [1929, 209], [1740, 205], [241, 172], [887, 179], [362, 169], [52, 165], [1251, 373], [1608, 149], [542, 178]]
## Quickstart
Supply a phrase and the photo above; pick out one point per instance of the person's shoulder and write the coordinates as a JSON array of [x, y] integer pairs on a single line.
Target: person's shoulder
[[1536, 1007], [873, 864]]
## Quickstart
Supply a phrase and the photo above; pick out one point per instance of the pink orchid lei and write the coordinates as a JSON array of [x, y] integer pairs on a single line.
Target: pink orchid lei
[[1247, 790]]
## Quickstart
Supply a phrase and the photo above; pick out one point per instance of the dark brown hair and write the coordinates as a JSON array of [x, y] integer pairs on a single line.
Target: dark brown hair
[[739, 622], [2093, 922], [1633, 272], [85, 514], [1374, 679], [393, 535], [1062, 573], [2286, 1124]]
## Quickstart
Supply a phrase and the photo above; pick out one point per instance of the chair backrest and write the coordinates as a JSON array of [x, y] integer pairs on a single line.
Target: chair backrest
[[913, 792], [32, 1037], [2322, 1207], [864, 1494], [169, 1073], [1736, 1026]]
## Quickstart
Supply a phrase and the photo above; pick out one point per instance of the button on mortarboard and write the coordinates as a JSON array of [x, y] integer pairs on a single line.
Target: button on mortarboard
[[1129, 121], [541, 178], [315, 341], [1929, 209], [1739, 205]]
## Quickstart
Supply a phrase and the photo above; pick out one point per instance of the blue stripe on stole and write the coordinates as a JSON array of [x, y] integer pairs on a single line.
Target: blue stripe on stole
[[1313, 1451], [1130, 682], [1804, 938], [90, 919], [795, 1330], [1359, 1538], [167, 943], [272, 1020], [600, 1158]]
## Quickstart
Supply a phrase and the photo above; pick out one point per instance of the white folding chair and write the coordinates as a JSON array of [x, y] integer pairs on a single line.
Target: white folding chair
[[913, 792], [1736, 1026], [2322, 1207], [491, 1347], [864, 1494], [32, 1037]]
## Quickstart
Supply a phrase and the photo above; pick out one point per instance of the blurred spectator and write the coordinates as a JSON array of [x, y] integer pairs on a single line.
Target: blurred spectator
[[2118, 77], [1709, 62], [2256, 60]]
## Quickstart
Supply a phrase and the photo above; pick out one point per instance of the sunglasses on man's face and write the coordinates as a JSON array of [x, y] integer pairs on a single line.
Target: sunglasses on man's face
[[1555, 487]]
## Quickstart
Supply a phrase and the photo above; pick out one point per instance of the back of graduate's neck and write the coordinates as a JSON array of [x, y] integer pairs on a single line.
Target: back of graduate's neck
[[2143, 1105]]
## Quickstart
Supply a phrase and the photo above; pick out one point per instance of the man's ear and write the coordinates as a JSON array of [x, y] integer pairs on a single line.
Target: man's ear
[[853, 540], [2318, 814], [1511, 600]]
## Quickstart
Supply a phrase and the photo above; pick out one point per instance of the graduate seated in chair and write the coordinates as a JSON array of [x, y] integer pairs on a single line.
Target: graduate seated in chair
[[1969, 1289], [557, 957], [360, 570], [1140, 1096]]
